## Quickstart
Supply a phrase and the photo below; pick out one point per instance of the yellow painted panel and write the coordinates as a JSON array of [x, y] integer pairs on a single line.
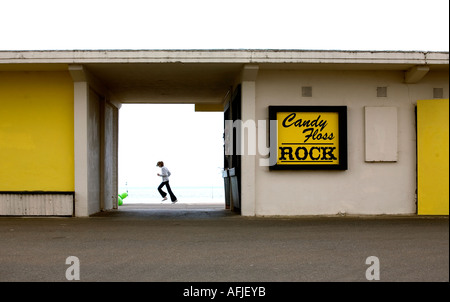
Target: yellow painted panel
[[433, 157], [308, 138], [34, 67], [36, 131]]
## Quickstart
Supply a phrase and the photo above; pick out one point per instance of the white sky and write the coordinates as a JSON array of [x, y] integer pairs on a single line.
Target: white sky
[[190, 144], [210, 24], [236, 24]]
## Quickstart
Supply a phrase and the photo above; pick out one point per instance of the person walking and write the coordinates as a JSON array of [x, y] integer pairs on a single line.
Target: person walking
[[165, 173]]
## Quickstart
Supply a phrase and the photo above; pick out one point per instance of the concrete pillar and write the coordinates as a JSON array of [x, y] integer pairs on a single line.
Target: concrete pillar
[[81, 102], [248, 162], [115, 163], [96, 144], [109, 161]]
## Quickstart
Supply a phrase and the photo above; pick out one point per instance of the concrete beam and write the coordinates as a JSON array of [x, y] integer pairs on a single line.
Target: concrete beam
[[80, 74], [225, 56], [415, 74], [249, 72]]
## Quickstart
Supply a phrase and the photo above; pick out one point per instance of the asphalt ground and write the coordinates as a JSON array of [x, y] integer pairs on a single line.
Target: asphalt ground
[[207, 243]]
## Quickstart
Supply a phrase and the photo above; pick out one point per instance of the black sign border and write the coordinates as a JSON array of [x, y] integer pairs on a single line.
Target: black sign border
[[342, 122]]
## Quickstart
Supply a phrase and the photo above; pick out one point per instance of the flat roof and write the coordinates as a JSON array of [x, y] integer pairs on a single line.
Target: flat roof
[[246, 56], [203, 76]]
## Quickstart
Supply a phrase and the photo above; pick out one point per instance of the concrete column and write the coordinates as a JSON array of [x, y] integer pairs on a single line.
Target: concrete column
[[81, 102], [96, 146], [109, 160], [115, 204], [248, 162]]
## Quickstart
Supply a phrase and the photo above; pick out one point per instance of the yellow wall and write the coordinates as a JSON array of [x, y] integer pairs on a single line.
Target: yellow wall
[[36, 131], [433, 157]]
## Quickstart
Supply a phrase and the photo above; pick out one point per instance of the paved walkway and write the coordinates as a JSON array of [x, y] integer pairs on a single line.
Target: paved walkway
[[200, 243]]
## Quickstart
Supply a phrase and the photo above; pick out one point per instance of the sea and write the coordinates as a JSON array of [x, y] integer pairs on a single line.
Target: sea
[[184, 195]]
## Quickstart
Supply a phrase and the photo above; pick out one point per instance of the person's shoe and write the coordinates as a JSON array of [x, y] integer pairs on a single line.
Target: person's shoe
[[165, 198], [174, 201]]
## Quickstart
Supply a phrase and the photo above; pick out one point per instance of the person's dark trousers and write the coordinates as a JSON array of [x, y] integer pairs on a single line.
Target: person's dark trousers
[[163, 194]]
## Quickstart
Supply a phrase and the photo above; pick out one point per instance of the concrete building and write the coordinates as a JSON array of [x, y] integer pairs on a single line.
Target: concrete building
[[356, 132]]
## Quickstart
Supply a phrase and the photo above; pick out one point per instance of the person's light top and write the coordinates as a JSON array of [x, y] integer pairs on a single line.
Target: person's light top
[[165, 173]]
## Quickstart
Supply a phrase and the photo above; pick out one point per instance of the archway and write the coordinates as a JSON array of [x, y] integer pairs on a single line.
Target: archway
[[189, 142]]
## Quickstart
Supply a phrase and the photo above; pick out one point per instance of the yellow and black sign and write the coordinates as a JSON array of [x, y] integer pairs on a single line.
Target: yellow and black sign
[[310, 137]]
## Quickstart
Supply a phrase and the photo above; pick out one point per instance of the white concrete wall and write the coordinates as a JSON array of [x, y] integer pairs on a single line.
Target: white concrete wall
[[366, 187], [36, 204]]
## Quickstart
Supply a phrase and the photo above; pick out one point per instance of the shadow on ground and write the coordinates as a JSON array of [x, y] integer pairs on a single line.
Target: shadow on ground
[[170, 211]]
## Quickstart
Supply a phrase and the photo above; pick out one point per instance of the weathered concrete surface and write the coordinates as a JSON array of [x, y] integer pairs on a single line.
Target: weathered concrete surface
[[180, 242]]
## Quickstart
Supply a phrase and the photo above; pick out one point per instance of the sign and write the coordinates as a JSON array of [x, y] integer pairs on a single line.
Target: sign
[[310, 137]]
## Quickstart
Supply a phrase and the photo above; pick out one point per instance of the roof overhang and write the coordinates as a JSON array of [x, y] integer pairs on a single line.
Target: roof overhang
[[206, 76]]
